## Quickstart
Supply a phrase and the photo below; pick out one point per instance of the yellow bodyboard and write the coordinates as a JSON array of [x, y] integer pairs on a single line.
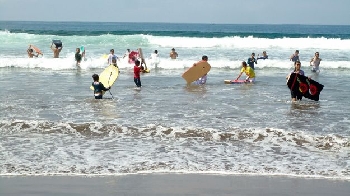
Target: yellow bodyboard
[[108, 76]]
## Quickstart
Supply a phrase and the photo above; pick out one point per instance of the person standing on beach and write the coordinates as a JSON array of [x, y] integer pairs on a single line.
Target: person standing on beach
[[295, 57], [98, 87], [315, 62], [248, 71], [203, 79], [173, 54], [252, 61], [137, 70]]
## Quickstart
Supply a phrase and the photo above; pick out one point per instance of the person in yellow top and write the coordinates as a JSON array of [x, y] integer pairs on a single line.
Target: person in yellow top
[[248, 71]]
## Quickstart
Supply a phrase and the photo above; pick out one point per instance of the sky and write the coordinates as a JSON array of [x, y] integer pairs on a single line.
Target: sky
[[325, 12]]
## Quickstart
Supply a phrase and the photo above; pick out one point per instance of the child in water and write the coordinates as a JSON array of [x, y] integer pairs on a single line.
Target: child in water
[[98, 87], [78, 56]]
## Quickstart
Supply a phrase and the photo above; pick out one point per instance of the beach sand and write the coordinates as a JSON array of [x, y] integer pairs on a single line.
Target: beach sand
[[170, 184]]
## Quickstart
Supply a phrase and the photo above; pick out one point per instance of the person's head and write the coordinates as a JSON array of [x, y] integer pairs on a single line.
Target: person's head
[[137, 62], [205, 58], [156, 51], [317, 54], [128, 50], [297, 65], [77, 50], [95, 77], [264, 52], [297, 52], [30, 50], [173, 49], [114, 60], [244, 64], [253, 54], [112, 51]]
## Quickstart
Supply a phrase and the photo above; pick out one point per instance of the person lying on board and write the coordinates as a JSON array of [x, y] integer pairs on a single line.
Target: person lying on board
[[297, 94], [203, 79], [264, 56], [248, 71], [315, 62], [31, 54], [98, 87]]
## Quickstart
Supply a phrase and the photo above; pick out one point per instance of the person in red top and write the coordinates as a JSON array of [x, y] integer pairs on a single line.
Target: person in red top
[[137, 70]]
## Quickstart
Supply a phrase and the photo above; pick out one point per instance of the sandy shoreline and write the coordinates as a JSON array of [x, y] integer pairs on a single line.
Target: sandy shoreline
[[170, 184]]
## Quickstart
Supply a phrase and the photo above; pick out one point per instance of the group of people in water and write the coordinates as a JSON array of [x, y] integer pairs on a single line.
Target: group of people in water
[[247, 66]]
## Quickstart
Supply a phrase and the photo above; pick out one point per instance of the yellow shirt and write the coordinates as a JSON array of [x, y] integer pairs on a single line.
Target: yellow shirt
[[248, 71]]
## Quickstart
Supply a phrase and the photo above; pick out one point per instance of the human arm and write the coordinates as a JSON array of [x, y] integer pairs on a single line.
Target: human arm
[[239, 75]]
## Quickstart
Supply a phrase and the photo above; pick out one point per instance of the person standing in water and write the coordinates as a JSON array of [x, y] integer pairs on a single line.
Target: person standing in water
[[98, 87], [315, 62], [137, 70], [296, 95], [295, 57], [203, 79], [173, 54], [252, 61], [78, 56]]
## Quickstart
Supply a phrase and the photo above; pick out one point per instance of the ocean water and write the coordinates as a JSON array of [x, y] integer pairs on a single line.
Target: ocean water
[[50, 123]]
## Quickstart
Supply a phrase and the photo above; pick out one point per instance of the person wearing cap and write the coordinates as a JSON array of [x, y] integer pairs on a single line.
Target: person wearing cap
[[248, 71], [173, 54], [252, 60], [98, 87]]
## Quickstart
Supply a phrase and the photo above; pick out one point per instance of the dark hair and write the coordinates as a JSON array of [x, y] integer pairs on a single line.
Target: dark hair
[[111, 50], [137, 62], [204, 58], [156, 51], [295, 64], [244, 63], [95, 77]]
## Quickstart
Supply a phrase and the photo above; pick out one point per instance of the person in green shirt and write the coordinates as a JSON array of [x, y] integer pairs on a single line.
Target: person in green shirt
[[248, 71]]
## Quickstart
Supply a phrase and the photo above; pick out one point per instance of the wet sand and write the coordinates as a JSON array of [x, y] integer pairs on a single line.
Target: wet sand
[[170, 184]]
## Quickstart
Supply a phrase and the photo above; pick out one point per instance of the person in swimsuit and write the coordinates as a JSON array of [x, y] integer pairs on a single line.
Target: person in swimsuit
[[264, 56], [252, 61], [78, 56], [203, 79], [98, 87], [315, 62], [295, 57], [173, 54]]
